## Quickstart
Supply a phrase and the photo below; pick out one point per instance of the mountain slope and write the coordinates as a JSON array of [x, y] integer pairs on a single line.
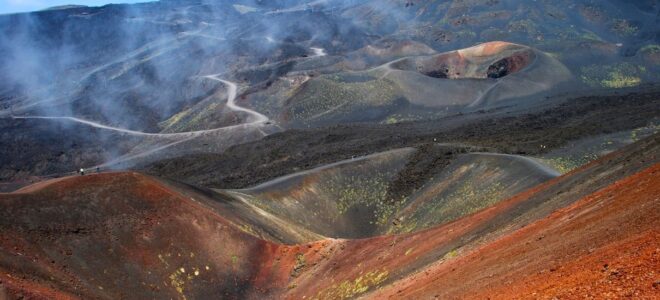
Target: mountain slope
[[129, 231], [331, 149], [145, 67], [602, 245]]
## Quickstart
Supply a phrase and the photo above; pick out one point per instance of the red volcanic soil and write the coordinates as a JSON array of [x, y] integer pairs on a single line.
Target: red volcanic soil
[[492, 59], [604, 245], [425, 264], [493, 48], [119, 235], [593, 232]]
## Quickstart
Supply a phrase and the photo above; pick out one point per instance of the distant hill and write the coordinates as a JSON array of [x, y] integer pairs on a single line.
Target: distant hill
[[61, 7]]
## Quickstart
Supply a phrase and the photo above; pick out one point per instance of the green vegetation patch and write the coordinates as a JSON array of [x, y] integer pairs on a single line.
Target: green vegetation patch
[[650, 49], [351, 288], [399, 118], [619, 75], [591, 36], [465, 199], [451, 254], [300, 265], [363, 191], [651, 53], [329, 95], [566, 164], [197, 118], [624, 28]]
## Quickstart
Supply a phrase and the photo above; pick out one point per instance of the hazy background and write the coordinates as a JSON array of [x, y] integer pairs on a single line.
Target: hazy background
[[15, 6]]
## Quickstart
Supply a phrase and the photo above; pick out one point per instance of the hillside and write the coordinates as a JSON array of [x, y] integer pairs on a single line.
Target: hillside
[[152, 72], [331, 149], [124, 233]]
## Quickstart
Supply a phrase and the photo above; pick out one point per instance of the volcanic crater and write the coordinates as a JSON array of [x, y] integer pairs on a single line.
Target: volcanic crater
[[293, 149]]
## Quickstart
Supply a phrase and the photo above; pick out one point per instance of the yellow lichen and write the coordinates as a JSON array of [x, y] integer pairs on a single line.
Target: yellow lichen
[[451, 254], [618, 80], [177, 280], [620, 75], [160, 257], [351, 288]]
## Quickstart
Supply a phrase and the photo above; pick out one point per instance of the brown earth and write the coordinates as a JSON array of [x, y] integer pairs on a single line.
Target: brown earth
[[126, 235], [603, 246], [529, 132]]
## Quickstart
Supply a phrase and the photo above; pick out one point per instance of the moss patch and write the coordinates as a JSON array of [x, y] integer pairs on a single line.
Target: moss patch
[[300, 265], [465, 199], [624, 28], [566, 164], [620, 75], [327, 96], [367, 191], [351, 288]]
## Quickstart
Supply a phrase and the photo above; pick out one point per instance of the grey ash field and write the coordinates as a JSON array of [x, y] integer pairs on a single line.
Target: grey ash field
[[290, 149]]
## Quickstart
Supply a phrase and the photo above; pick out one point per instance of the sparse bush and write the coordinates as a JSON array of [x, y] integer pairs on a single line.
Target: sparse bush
[[624, 28], [527, 26], [650, 49], [612, 76], [351, 288]]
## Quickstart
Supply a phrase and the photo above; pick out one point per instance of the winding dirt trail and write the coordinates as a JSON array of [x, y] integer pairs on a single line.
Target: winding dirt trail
[[92, 124], [232, 88], [254, 119], [284, 178], [532, 163], [129, 156]]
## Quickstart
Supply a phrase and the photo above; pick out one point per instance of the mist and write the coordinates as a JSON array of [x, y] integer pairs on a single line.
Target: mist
[[134, 65], [143, 67]]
